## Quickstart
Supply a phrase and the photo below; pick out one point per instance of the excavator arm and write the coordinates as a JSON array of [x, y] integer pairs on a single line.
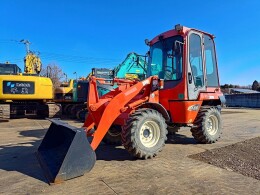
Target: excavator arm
[[32, 64]]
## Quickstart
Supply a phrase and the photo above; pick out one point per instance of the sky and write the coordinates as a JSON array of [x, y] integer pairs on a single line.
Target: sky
[[81, 34]]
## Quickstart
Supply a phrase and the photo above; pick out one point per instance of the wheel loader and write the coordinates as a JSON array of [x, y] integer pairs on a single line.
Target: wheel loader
[[181, 89]]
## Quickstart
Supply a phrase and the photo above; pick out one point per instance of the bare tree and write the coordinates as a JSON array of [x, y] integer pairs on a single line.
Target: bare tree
[[54, 72]]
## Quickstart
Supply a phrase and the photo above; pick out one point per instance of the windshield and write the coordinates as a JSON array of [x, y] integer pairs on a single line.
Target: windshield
[[9, 69], [166, 58]]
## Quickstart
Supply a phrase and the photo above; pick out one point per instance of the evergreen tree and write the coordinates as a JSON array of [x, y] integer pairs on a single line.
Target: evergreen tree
[[255, 85]]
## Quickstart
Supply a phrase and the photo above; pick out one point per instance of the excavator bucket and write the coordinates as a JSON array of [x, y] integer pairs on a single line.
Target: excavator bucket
[[65, 152]]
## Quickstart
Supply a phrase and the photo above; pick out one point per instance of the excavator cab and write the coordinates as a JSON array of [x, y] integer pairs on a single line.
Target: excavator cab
[[181, 89], [9, 69]]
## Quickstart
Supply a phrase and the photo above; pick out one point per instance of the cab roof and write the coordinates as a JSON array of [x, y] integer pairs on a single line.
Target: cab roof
[[178, 30]]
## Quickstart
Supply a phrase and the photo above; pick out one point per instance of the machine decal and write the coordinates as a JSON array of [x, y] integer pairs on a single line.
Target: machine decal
[[68, 96], [194, 107], [18, 87]]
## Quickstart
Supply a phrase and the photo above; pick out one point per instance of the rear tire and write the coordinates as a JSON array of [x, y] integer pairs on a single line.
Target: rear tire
[[113, 136], [207, 126], [145, 133]]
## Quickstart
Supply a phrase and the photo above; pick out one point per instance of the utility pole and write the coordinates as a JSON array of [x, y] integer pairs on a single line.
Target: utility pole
[[76, 75], [66, 77], [27, 44]]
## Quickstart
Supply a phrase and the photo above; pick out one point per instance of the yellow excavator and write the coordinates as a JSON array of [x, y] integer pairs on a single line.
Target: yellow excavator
[[27, 93], [64, 95]]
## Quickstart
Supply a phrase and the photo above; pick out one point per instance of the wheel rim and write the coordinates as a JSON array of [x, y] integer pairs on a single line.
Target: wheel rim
[[212, 125], [149, 134]]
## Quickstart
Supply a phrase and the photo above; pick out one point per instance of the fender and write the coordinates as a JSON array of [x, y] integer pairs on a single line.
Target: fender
[[159, 107]]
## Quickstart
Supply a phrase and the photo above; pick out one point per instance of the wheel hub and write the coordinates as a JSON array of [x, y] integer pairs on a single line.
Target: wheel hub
[[146, 133], [212, 125], [149, 134]]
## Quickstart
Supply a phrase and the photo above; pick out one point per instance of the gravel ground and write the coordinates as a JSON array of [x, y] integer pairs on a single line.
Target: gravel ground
[[242, 157]]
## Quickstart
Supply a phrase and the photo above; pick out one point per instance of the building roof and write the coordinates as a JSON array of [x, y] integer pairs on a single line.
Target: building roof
[[243, 90]]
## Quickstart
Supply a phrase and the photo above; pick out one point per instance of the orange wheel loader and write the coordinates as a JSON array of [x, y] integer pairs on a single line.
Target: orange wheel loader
[[181, 89]]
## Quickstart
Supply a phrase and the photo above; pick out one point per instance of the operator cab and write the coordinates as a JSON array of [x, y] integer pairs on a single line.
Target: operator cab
[[166, 59], [9, 69], [185, 58]]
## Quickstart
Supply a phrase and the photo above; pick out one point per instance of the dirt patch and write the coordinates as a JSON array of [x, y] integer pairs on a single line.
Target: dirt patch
[[242, 157]]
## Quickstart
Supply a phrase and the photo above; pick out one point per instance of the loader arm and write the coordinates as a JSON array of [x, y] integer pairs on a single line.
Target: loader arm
[[104, 111]]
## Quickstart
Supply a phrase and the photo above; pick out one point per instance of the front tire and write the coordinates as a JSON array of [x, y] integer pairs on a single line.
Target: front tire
[[145, 133], [207, 126]]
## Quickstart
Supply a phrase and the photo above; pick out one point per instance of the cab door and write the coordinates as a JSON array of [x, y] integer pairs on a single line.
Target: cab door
[[195, 66]]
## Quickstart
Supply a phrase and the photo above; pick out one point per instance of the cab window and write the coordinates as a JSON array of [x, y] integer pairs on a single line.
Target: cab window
[[195, 58], [211, 65]]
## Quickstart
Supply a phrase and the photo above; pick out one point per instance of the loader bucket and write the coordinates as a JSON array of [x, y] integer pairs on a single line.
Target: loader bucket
[[65, 152]]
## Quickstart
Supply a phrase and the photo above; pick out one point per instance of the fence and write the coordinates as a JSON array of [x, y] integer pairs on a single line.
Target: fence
[[251, 100]]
